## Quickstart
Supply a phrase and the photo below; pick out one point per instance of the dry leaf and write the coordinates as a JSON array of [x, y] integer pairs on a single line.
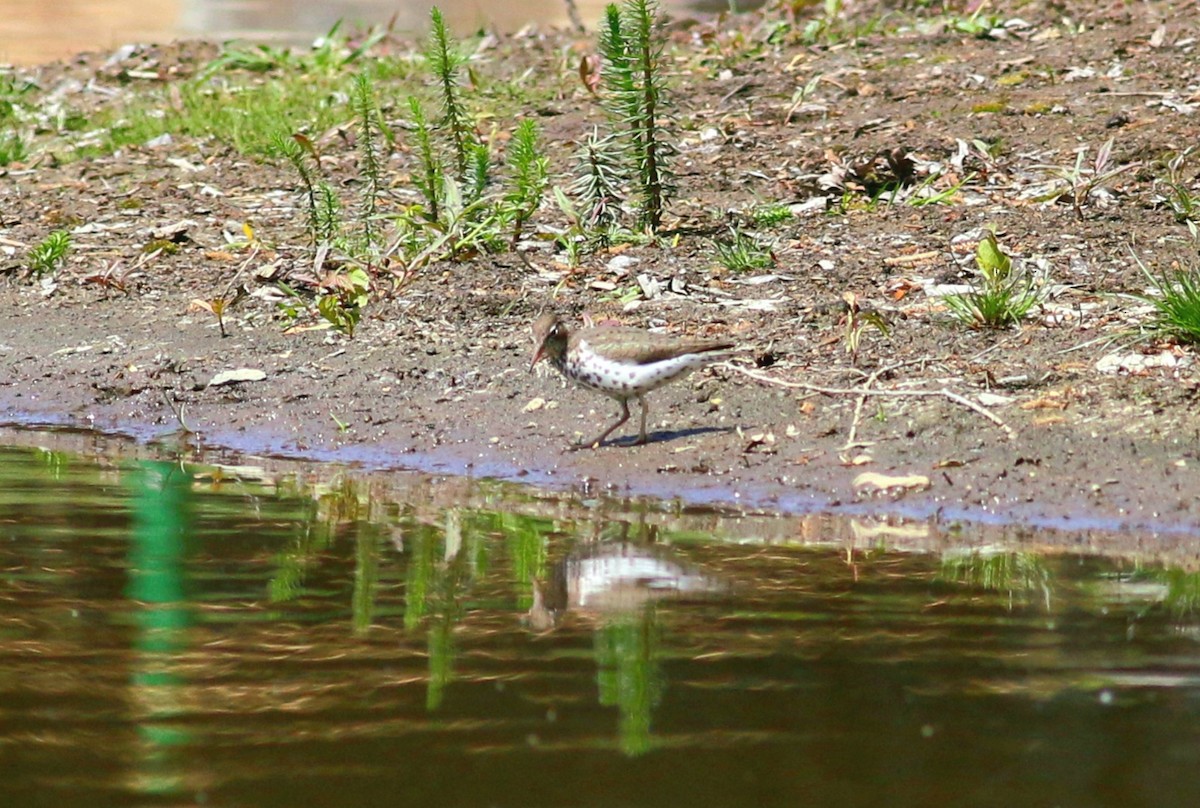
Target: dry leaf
[[589, 72]]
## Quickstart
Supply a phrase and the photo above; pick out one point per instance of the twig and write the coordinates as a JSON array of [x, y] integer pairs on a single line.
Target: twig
[[912, 258], [734, 92], [178, 412], [862, 399], [573, 16], [864, 392], [241, 268]]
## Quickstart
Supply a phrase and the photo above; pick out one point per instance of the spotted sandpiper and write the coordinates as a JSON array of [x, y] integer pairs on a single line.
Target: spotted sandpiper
[[621, 363]]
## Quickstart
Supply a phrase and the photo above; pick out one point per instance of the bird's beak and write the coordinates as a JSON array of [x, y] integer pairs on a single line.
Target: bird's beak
[[537, 356]]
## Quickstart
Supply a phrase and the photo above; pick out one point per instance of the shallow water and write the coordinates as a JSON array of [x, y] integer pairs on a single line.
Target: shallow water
[[219, 635]]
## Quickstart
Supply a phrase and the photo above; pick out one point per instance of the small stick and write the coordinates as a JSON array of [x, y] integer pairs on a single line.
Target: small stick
[[177, 412], [912, 258], [858, 408], [573, 16], [864, 392]]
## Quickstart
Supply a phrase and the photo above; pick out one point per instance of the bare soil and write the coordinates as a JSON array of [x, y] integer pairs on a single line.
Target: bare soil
[[1099, 427]]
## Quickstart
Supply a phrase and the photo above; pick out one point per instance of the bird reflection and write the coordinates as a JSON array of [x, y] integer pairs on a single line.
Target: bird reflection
[[615, 579]]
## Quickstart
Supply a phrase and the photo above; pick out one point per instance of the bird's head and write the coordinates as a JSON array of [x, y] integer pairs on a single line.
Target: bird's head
[[549, 338]]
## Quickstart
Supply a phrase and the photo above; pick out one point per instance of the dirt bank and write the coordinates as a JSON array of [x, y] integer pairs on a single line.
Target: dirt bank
[[1077, 420]]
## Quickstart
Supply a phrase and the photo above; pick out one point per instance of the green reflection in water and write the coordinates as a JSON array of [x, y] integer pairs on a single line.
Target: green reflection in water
[[313, 537], [630, 675], [1015, 573], [157, 554], [55, 463], [401, 652], [1182, 596], [366, 577]]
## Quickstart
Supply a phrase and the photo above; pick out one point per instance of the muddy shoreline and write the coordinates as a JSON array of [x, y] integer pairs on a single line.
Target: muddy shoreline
[[1098, 419]]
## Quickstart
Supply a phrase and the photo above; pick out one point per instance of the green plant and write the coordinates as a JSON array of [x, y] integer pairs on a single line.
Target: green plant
[[635, 97], [770, 215], [857, 321], [12, 93], [801, 96], [48, 254], [454, 168], [977, 23], [445, 60], [1081, 181], [430, 178], [370, 128], [13, 148], [348, 294], [245, 117], [937, 197], [327, 215], [1176, 300], [743, 252], [296, 149], [528, 174], [1002, 297], [479, 171], [329, 54], [1179, 197], [597, 188], [825, 26]]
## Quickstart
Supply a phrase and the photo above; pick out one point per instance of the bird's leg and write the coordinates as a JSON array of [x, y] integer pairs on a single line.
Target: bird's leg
[[624, 417], [642, 436]]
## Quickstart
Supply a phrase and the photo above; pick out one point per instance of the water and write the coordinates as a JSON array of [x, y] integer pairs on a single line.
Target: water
[[224, 636]]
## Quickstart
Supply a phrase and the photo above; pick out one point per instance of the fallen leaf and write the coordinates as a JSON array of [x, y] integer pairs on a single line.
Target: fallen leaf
[[993, 400], [237, 376], [589, 72]]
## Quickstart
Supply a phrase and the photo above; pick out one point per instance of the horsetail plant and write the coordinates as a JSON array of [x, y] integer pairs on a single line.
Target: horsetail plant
[[430, 175], [445, 60], [528, 169], [49, 253], [296, 149], [479, 170], [362, 99], [616, 74], [327, 215], [635, 96], [597, 186]]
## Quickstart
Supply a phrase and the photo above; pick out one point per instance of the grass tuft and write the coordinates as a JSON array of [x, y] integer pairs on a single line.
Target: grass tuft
[[1002, 297], [1176, 300], [743, 252]]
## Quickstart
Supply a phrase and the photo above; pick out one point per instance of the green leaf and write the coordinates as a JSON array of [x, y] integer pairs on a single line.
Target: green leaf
[[992, 261]]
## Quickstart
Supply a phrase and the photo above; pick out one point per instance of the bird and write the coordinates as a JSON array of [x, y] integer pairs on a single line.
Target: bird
[[620, 362]]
